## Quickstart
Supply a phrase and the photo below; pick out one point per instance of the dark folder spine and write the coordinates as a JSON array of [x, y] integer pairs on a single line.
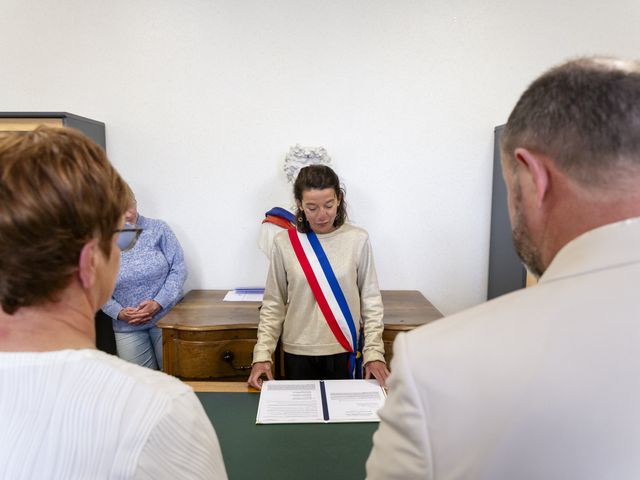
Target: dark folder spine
[[325, 407]]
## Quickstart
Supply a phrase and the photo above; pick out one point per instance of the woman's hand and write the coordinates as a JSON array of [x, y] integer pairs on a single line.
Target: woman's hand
[[378, 370], [133, 316], [143, 313], [149, 308], [257, 371]]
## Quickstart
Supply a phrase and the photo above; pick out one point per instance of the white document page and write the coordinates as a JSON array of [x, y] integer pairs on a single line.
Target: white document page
[[301, 401], [354, 400], [290, 401], [235, 296]]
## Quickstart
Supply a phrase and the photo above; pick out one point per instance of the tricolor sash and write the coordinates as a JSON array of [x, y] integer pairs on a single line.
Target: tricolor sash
[[280, 217], [285, 215], [279, 221], [327, 291]]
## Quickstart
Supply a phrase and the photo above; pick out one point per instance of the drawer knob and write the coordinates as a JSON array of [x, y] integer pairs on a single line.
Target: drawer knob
[[228, 357]]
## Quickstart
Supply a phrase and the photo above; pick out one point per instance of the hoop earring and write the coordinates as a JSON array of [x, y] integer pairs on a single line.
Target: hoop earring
[[300, 219]]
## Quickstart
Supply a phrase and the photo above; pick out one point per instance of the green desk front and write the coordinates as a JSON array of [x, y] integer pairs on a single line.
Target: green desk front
[[310, 451]]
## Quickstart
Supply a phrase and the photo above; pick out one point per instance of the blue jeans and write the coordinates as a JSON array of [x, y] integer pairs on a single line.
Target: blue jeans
[[143, 347]]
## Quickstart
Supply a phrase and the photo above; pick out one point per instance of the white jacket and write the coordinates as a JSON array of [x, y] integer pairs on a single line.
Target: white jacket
[[543, 383]]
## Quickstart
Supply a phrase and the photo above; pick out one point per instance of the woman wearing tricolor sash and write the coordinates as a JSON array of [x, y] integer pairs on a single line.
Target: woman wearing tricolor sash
[[321, 295]]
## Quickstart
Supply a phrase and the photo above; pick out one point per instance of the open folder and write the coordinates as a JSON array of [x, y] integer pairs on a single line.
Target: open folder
[[320, 401]]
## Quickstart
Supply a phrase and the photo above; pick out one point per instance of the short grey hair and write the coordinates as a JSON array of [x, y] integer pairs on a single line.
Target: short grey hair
[[585, 114]]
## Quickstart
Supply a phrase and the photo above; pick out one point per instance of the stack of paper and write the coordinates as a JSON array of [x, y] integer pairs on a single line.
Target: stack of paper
[[320, 401], [245, 294]]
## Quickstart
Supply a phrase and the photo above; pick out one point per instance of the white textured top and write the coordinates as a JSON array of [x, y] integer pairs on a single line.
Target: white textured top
[[87, 414]]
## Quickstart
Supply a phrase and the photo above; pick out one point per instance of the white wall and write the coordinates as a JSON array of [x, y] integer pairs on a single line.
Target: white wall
[[202, 100]]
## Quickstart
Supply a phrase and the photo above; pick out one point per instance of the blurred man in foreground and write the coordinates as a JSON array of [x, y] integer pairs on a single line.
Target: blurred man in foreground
[[541, 383]]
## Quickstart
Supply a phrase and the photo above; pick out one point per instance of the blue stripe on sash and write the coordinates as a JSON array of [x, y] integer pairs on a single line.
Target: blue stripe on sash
[[333, 283], [282, 213]]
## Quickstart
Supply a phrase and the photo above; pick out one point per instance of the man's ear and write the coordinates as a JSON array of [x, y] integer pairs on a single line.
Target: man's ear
[[87, 264], [535, 167]]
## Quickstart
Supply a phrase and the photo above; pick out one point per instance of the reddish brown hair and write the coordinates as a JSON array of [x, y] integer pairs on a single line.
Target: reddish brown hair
[[57, 192]]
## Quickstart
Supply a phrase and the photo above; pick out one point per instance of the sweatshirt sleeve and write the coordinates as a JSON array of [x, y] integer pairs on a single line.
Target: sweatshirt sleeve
[[371, 308], [274, 308], [171, 291], [112, 308]]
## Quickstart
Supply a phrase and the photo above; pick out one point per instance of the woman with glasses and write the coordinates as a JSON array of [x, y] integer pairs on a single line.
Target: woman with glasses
[[152, 274], [68, 410]]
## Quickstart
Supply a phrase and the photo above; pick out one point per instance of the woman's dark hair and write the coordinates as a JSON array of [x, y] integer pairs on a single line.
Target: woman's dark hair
[[318, 177]]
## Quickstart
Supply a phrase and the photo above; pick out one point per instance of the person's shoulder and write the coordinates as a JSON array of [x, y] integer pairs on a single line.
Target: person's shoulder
[[159, 228], [508, 316], [281, 237], [152, 381], [152, 223], [348, 229]]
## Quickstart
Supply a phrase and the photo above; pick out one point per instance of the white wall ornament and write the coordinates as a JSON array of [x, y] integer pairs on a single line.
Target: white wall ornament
[[300, 157], [297, 158]]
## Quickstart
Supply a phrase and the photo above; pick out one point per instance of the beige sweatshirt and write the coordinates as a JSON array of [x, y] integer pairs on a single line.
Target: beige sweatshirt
[[289, 307]]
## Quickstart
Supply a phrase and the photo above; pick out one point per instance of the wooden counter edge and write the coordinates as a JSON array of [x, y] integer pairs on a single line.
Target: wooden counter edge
[[221, 387], [228, 387], [206, 328]]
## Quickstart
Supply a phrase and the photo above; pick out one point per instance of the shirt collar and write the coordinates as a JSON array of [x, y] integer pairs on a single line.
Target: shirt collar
[[604, 247]]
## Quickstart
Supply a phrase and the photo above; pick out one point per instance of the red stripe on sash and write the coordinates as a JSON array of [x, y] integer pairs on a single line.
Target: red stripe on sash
[[281, 222], [317, 291]]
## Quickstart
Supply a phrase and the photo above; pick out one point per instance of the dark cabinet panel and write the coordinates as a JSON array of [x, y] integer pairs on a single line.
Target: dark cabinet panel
[[24, 121], [506, 272]]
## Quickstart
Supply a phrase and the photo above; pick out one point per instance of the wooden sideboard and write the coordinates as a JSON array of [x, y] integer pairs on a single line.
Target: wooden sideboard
[[204, 337]]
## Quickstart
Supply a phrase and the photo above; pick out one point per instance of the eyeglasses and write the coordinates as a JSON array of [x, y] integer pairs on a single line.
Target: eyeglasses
[[127, 237]]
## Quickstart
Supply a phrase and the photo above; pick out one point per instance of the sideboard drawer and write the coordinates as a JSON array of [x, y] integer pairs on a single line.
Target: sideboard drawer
[[224, 354]]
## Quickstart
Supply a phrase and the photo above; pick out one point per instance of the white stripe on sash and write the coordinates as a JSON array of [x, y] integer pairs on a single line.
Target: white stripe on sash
[[326, 288]]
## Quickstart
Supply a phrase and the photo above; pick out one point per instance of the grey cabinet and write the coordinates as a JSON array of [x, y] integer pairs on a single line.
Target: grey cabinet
[[506, 272], [25, 121]]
